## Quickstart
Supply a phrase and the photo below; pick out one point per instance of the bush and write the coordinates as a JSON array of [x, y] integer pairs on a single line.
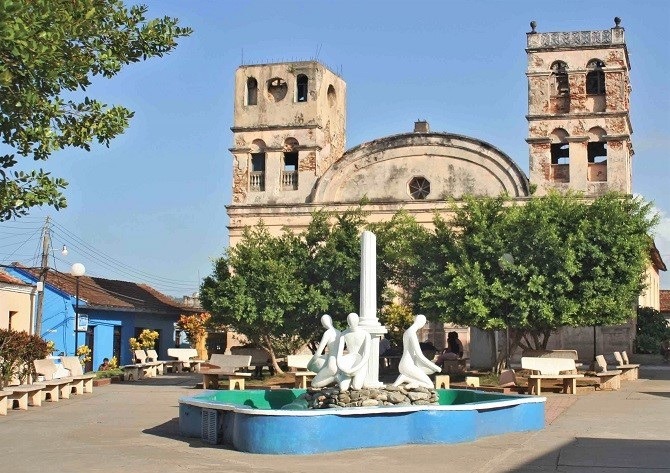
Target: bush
[[18, 350], [652, 329], [109, 373]]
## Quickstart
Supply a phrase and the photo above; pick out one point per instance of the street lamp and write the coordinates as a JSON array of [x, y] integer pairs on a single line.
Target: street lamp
[[77, 271], [504, 261]]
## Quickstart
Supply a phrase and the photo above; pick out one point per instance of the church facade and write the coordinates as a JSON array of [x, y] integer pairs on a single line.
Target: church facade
[[290, 159]]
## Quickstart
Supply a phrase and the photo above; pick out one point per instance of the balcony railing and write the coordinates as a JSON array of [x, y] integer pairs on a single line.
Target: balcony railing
[[289, 179], [257, 181]]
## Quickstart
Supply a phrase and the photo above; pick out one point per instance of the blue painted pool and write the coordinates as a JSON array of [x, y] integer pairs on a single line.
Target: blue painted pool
[[253, 421]]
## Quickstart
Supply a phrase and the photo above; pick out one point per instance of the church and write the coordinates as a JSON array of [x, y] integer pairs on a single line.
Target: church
[[290, 158]]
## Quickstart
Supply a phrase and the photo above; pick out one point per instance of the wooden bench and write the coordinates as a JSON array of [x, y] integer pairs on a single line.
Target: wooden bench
[[188, 358], [563, 369], [226, 366], [608, 379], [629, 371], [303, 375], [25, 394]]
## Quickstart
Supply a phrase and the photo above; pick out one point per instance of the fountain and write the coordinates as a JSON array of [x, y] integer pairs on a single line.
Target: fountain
[[279, 421]]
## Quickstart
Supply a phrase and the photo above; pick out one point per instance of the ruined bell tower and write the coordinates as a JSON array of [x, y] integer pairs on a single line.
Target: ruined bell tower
[[289, 125], [579, 130]]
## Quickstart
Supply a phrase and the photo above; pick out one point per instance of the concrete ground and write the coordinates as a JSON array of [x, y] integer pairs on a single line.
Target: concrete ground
[[132, 427]]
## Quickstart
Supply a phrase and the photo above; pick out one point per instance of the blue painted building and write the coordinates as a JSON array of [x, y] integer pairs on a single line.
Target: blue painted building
[[110, 313]]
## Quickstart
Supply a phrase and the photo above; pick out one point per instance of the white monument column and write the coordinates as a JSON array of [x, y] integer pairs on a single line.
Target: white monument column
[[368, 306]]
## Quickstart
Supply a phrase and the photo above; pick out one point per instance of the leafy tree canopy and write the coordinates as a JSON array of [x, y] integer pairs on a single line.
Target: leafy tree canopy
[[573, 262], [50, 50]]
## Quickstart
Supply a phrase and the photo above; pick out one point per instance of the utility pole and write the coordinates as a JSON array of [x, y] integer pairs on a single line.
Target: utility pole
[[46, 245]]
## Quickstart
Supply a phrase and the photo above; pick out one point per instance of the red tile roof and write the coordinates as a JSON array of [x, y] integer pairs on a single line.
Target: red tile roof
[[665, 300], [113, 294], [6, 278]]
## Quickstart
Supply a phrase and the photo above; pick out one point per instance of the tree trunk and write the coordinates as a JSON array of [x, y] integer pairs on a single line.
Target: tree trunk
[[273, 358], [201, 347]]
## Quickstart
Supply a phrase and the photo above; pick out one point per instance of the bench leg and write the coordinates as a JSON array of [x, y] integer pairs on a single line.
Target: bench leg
[[64, 391], [35, 398], [52, 392], [88, 385], [610, 382], [442, 381], [77, 386], [570, 385], [3, 406], [22, 399], [534, 386], [210, 381], [235, 382]]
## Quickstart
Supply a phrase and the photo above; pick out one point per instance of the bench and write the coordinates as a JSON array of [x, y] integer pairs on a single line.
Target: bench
[[188, 357], [299, 362], [260, 359], [457, 365], [550, 368], [54, 388], [3, 402], [629, 371], [155, 367], [25, 394], [608, 379], [136, 371], [168, 365], [72, 364], [226, 366]]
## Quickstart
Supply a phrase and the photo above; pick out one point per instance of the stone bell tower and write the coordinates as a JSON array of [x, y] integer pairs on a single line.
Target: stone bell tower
[[288, 129], [579, 130]]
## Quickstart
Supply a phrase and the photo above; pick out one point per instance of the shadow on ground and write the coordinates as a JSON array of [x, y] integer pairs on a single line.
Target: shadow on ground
[[603, 455]]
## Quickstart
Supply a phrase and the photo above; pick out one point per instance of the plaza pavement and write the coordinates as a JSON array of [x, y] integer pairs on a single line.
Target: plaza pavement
[[132, 427]]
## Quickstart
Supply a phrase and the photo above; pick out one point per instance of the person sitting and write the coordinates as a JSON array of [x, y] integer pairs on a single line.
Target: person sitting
[[105, 365], [454, 350]]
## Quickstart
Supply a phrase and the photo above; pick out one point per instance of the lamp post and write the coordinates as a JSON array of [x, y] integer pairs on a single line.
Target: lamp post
[[77, 271]]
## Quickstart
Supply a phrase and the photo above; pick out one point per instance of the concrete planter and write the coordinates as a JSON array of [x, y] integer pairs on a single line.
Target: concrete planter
[[102, 382]]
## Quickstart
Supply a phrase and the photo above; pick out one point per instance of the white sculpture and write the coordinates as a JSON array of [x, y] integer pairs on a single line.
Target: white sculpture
[[353, 366], [413, 362], [325, 364]]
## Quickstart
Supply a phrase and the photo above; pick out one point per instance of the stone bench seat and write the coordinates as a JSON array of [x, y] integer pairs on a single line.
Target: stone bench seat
[[226, 366], [630, 371], [607, 379], [302, 376], [25, 394], [550, 368]]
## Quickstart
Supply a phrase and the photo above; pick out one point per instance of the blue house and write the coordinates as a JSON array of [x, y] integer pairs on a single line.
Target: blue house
[[110, 313]]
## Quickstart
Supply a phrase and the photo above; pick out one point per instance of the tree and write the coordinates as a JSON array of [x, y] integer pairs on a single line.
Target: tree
[[50, 50], [575, 263], [257, 289], [195, 327]]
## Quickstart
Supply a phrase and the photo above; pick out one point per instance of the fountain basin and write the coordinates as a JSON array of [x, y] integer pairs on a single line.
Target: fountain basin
[[253, 421]]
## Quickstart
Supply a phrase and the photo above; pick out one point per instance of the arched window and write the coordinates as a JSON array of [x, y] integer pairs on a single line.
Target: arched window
[[277, 89], [596, 156], [559, 72], [560, 156], [257, 174], [252, 91], [302, 89], [595, 78]]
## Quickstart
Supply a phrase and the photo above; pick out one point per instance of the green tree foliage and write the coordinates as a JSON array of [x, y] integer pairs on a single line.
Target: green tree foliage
[[575, 263], [651, 330], [402, 244], [50, 50], [257, 289]]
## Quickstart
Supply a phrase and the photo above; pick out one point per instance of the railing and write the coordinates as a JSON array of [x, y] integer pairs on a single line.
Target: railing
[[575, 38], [257, 181], [289, 179]]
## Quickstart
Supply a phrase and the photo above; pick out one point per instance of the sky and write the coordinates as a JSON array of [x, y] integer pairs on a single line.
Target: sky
[[151, 207]]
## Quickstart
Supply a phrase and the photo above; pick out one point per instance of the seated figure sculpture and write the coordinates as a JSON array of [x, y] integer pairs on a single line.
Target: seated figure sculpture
[[353, 366], [322, 363], [413, 362]]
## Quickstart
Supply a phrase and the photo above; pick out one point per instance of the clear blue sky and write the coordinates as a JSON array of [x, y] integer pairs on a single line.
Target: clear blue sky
[[152, 207]]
